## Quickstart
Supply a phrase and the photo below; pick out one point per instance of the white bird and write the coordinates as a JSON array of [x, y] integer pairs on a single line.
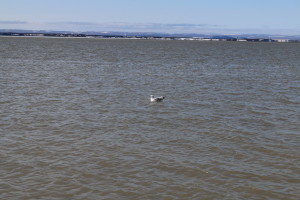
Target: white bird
[[156, 99]]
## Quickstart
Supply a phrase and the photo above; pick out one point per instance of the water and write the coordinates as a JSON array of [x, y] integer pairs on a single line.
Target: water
[[76, 121]]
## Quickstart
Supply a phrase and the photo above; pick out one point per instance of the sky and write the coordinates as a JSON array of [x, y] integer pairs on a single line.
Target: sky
[[165, 16]]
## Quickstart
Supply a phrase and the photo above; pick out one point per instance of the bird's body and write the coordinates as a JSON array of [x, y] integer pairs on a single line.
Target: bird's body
[[156, 99]]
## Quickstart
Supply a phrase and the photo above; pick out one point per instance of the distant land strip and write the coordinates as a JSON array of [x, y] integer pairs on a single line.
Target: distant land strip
[[156, 36]]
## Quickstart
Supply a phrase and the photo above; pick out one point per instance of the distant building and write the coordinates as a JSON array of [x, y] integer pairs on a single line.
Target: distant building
[[281, 40]]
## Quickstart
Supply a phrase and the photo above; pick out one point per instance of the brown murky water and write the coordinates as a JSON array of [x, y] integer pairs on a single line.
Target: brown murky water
[[76, 121]]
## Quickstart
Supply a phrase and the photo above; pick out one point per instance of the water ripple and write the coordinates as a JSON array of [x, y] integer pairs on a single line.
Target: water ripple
[[76, 121]]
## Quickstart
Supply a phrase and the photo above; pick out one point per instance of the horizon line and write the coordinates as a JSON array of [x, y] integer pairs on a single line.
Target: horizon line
[[171, 28], [33, 31]]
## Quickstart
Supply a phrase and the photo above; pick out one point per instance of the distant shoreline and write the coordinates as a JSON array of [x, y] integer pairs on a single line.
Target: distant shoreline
[[146, 37]]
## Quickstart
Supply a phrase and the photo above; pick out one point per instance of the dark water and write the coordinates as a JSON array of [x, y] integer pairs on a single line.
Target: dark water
[[76, 121]]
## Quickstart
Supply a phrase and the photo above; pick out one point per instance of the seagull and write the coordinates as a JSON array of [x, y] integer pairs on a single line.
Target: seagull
[[156, 99]]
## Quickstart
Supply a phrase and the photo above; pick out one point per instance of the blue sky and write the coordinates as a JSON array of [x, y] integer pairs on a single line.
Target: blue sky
[[172, 16]]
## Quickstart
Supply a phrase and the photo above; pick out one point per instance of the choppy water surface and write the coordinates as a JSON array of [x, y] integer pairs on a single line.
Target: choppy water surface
[[76, 121]]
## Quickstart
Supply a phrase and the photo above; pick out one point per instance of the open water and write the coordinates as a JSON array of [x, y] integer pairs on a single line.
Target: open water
[[76, 121]]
